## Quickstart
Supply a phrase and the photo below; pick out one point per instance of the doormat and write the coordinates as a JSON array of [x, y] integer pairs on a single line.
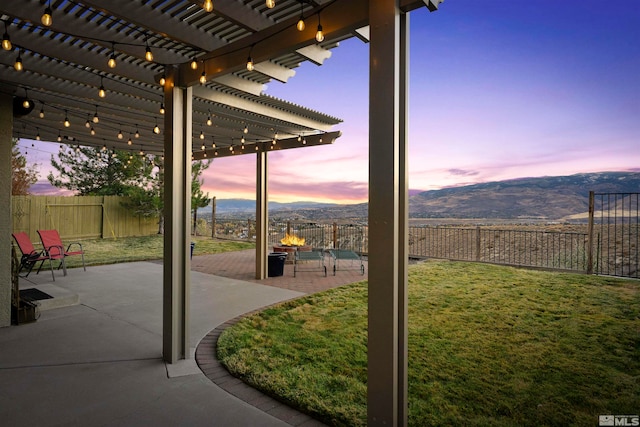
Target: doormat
[[33, 294]]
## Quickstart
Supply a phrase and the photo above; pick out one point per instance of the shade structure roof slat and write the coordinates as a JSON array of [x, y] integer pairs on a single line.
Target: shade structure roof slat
[[66, 64]]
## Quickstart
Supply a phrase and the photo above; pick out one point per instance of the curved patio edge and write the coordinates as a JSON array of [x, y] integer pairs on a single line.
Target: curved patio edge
[[207, 360]]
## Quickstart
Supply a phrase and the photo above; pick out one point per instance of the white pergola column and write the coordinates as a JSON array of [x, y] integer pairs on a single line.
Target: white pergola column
[[177, 209], [388, 197], [262, 215], [6, 128]]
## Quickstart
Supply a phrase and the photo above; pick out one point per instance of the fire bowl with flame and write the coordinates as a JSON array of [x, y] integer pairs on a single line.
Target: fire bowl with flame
[[290, 244]]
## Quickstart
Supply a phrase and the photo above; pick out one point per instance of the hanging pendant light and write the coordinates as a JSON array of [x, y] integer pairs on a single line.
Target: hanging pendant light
[[147, 52], [102, 92], [207, 5], [6, 40], [47, 18], [67, 123], [112, 59], [96, 119], [319, 33], [18, 64], [270, 4], [300, 25]]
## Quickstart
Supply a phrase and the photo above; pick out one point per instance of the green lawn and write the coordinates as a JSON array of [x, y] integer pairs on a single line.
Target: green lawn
[[110, 251], [488, 346]]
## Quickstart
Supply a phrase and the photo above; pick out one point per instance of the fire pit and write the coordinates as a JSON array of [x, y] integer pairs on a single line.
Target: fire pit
[[290, 244]]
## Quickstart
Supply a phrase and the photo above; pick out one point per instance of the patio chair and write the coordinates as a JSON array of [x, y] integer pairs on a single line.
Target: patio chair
[[354, 259], [52, 244], [301, 257], [30, 255]]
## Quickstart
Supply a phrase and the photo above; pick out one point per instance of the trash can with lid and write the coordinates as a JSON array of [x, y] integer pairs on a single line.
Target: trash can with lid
[[275, 264]]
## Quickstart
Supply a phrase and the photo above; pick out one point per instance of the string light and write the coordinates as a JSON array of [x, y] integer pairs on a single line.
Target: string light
[[96, 119], [156, 128], [92, 131], [300, 25], [245, 130], [161, 108], [120, 136], [37, 134], [41, 114], [163, 80], [47, 18], [26, 103], [6, 40], [213, 143], [67, 123], [112, 59], [270, 4], [209, 122], [18, 64], [129, 141], [202, 147], [137, 134], [87, 124], [250, 66], [203, 76], [208, 5], [194, 63], [319, 33], [101, 92], [59, 138], [201, 135], [147, 52]]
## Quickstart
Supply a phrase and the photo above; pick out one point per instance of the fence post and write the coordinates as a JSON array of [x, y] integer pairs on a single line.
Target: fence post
[[590, 233], [335, 234], [213, 218], [288, 227], [477, 243]]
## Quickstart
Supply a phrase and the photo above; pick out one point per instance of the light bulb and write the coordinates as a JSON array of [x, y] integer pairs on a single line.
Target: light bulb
[[120, 134], [249, 64], [163, 80], [209, 122], [112, 61], [41, 112], [270, 4], [47, 19], [6, 41], [156, 130], [194, 64], [137, 134], [319, 34], [129, 141], [96, 119], [101, 92], [38, 136], [92, 131], [87, 124], [201, 135], [26, 103], [67, 123], [202, 147], [18, 64], [203, 78], [161, 108], [147, 54], [59, 138], [245, 130], [207, 5], [300, 25]]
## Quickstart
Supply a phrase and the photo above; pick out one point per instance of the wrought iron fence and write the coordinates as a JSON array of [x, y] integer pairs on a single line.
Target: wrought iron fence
[[614, 225]]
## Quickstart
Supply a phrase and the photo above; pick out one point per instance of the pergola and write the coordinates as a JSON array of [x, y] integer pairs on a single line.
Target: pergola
[[185, 80]]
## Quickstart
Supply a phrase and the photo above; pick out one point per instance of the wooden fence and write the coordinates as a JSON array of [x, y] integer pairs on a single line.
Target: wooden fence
[[78, 217]]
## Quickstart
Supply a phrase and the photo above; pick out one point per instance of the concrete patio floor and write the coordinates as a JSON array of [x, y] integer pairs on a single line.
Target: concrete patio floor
[[94, 356]]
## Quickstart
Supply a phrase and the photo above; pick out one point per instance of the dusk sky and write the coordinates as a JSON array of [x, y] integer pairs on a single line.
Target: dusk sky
[[498, 90]]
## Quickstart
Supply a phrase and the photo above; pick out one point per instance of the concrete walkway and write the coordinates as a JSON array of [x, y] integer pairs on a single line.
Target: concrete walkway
[[94, 356]]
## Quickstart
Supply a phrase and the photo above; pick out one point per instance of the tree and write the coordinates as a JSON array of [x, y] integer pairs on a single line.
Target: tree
[[198, 198], [91, 171], [22, 176], [149, 201]]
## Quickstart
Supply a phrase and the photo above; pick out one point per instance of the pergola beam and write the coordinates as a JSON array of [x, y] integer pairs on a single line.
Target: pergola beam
[[338, 19]]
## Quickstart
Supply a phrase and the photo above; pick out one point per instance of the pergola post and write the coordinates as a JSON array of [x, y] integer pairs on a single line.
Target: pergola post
[[388, 197], [6, 129], [262, 216], [177, 208]]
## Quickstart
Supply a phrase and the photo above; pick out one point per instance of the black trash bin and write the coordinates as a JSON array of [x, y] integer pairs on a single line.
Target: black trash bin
[[193, 245], [275, 265]]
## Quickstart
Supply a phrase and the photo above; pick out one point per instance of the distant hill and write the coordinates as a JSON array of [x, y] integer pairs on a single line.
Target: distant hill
[[547, 198], [551, 198]]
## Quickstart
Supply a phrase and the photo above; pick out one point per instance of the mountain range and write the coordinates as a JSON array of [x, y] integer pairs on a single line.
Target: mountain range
[[545, 198]]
